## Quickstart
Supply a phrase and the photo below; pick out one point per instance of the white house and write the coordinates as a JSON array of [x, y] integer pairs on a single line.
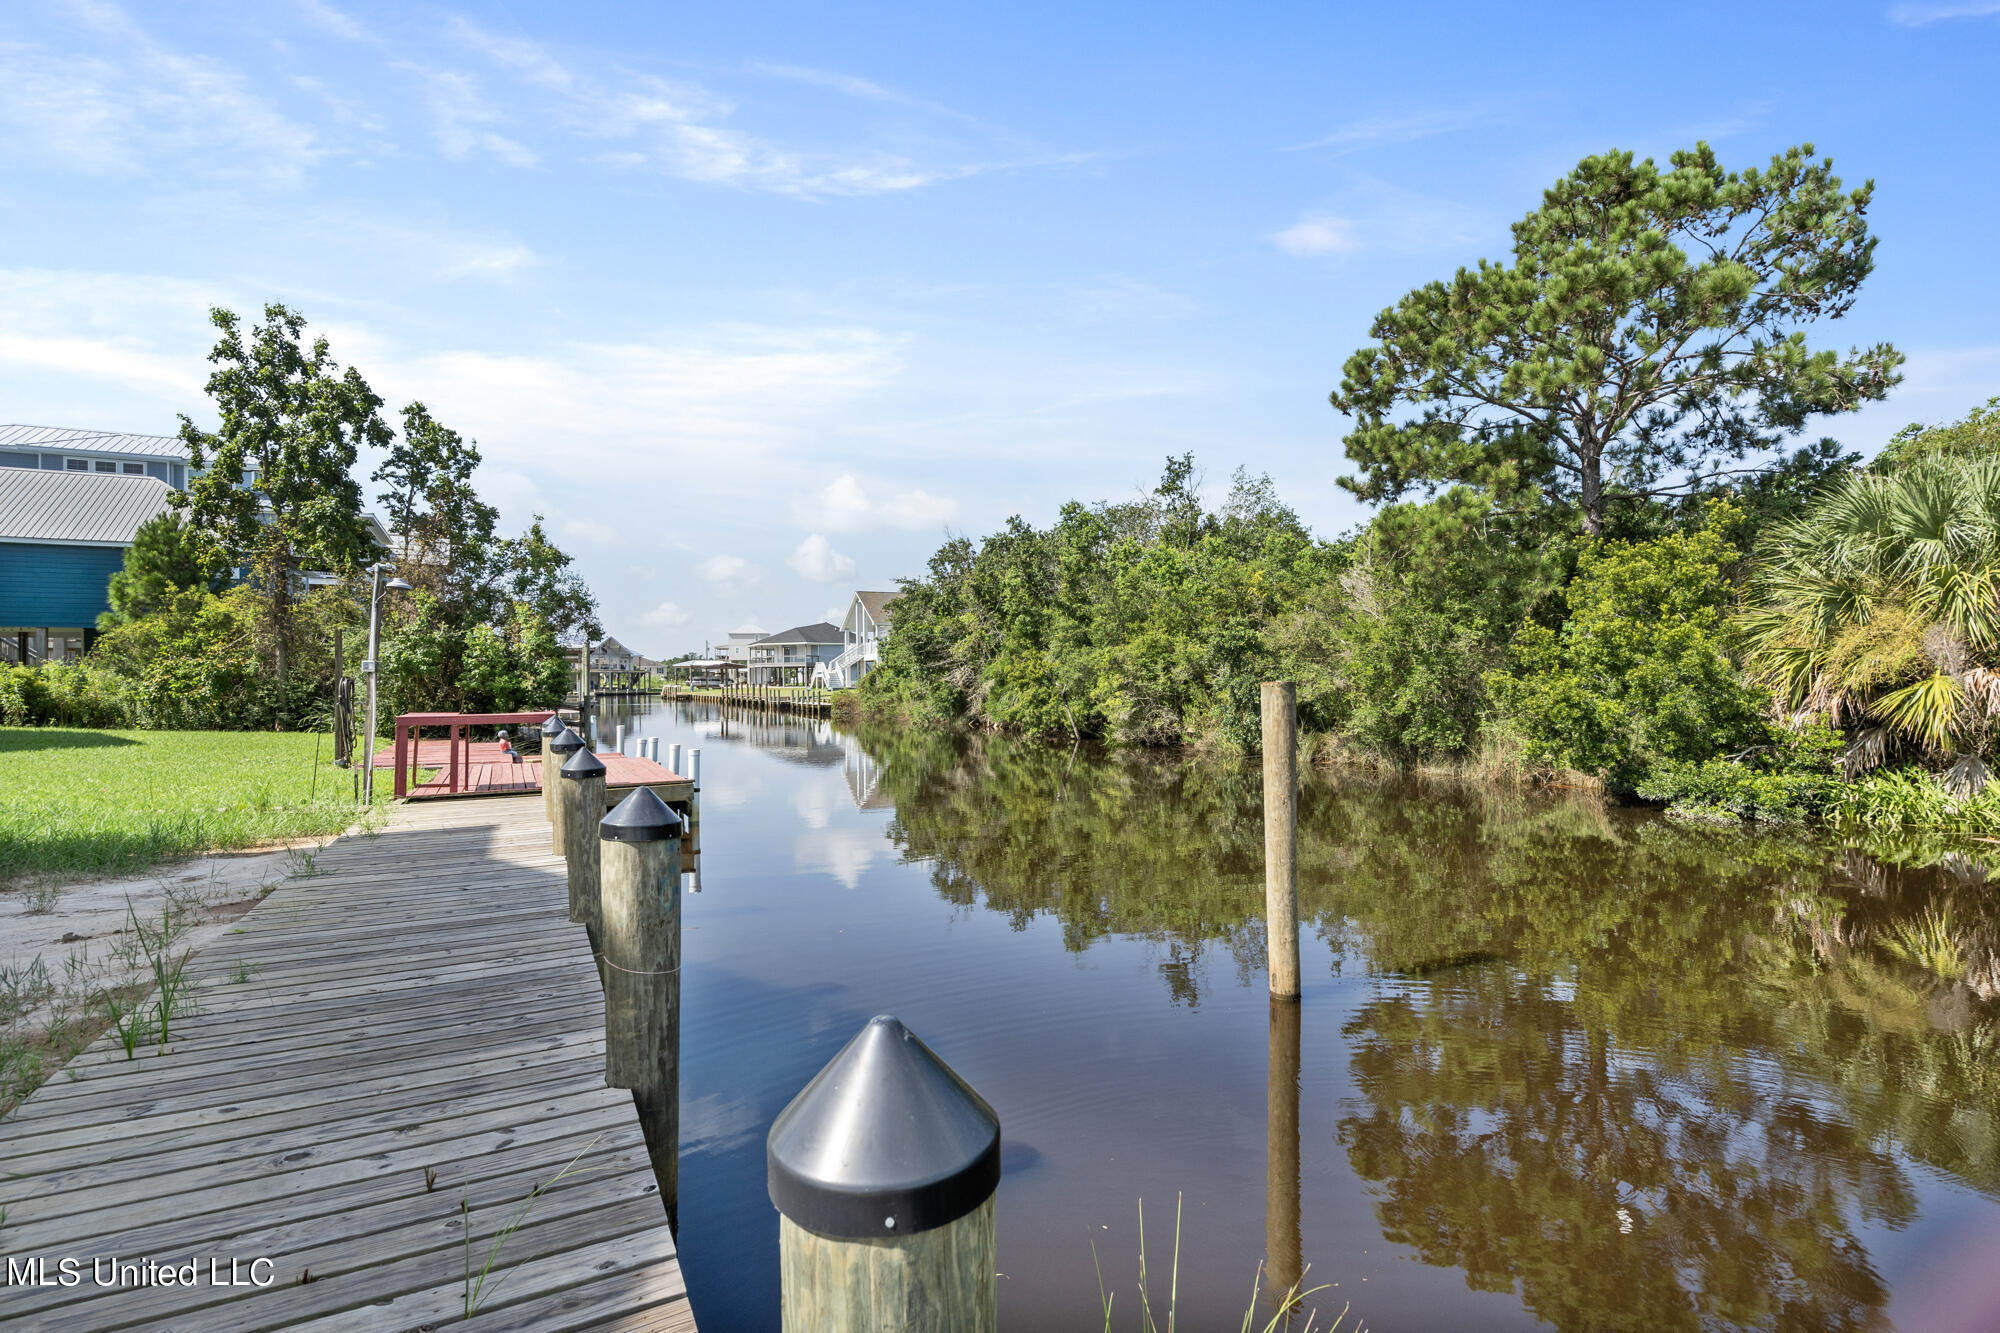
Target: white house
[[737, 647], [862, 630], [793, 656]]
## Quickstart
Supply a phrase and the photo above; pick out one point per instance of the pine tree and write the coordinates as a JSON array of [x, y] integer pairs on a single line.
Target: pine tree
[[1648, 335]]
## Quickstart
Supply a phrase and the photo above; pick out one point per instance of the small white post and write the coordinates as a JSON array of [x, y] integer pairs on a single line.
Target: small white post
[[618, 743], [694, 767]]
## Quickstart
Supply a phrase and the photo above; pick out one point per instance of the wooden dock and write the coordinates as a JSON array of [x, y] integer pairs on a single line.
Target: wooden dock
[[415, 1031], [484, 769]]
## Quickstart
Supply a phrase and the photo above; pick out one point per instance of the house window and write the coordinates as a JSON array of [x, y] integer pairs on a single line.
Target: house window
[[77, 464], [135, 469], [106, 465]]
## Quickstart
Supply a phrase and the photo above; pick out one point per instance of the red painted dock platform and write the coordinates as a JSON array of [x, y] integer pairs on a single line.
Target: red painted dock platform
[[465, 767]]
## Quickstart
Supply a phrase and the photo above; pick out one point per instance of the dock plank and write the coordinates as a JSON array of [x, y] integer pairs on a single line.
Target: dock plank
[[422, 1001]]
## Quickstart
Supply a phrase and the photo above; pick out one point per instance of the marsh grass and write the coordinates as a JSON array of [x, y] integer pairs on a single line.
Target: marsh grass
[[1286, 1305], [96, 803]]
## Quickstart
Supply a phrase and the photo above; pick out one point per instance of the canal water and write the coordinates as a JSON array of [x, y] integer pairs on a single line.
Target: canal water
[[1557, 1064]]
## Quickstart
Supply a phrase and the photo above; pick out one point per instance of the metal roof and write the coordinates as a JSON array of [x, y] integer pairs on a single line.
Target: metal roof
[[78, 508], [56, 439]]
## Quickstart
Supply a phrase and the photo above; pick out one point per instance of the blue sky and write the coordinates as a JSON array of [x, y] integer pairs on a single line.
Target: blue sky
[[755, 302]]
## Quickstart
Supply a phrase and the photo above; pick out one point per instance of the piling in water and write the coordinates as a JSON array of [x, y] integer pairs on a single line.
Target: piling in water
[[640, 908], [555, 754], [883, 1171], [1284, 1251], [583, 806], [1281, 840]]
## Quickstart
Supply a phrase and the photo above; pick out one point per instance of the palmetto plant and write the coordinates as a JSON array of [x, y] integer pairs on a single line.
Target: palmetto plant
[[1880, 611]]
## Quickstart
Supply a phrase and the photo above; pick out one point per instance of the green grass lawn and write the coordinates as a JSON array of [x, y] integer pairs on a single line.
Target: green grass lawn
[[78, 802]]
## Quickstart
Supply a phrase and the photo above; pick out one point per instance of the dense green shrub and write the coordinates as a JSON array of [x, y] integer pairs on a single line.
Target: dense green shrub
[[1638, 675], [1791, 780], [59, 694]]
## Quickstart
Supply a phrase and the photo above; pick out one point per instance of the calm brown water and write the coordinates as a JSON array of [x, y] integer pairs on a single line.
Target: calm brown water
[[1557, 1064]]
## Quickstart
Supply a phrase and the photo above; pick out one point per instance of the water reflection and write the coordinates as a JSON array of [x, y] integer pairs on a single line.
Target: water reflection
[[1610, 1064], [1588, 1068]]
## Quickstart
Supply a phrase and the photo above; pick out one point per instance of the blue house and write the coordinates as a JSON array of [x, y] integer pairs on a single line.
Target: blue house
[[62, 536], [71, 502]]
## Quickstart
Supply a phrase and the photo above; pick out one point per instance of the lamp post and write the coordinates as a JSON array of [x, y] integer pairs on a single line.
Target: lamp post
[[375, 590]]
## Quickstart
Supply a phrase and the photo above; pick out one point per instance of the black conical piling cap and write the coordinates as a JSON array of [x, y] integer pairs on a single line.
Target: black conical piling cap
[[567, 743], [552, 727], [583, 764], [640, 817], [885, 1141]]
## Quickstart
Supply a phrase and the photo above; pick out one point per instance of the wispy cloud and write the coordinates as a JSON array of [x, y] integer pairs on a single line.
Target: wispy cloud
[[1373, 131], [1323, 234], [665, 616], [682, 129], [849, 84], [592, 530], [136, 106], [463, 118], [336, 22], [1377, 216], [730, 575], [1917, 16]]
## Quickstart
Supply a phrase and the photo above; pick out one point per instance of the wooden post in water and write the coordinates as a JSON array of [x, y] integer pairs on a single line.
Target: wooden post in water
[[583, 806], [1281, 834], [1284, 1252], [641, 911], [883, 1171], [555, 754]]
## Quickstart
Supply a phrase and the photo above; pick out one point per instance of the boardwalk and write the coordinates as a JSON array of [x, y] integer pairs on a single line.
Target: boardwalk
[[417, 1025]]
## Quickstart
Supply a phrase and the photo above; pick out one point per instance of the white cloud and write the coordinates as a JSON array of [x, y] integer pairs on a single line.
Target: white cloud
[[815, 559], [1319, 235], [723, 568], [665, 616], [844, 506], [590, 530], [918, 509], [730, 575], [1916, 16]]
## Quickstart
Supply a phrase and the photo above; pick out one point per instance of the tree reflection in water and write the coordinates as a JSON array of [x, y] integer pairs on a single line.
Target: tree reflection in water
[[1645, 1075]]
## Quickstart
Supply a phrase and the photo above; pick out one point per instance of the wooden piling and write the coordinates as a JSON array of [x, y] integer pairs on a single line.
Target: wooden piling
[[556, 753], [1281, 841], [1284, 1253], [905, 1285], [640, 907], [883, 1171], [583, 806]]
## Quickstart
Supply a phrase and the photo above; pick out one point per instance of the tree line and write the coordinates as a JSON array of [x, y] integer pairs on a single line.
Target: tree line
[[229, 605], [1601, 545]]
